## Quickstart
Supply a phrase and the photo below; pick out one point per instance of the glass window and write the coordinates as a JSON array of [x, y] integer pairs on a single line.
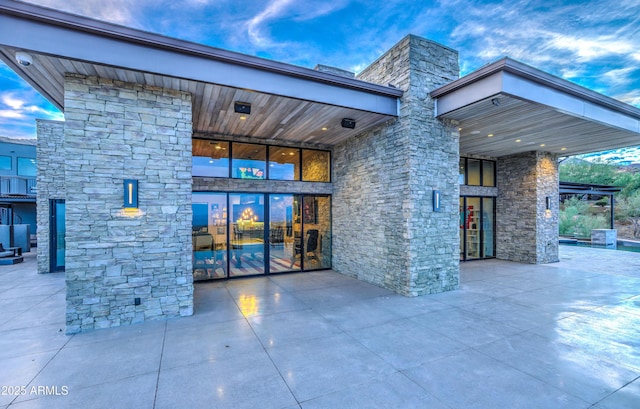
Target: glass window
[[473, 172], [27, 167], [316, 166], [316, 240], [284, 163], [461, 171], [247, 234], [249, 161], [5, 162], [487, 226], [285, 242], [210, 158], [488, 173], [209, 235]]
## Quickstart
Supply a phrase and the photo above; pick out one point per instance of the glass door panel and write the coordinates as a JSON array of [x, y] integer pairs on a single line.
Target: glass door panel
[[487, 227], [316, 240], [462, 218], [284, 233], [247, 231], [209, 236], [472, 226]]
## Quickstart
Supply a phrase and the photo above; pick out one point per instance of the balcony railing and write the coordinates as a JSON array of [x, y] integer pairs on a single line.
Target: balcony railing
[[17, 186]]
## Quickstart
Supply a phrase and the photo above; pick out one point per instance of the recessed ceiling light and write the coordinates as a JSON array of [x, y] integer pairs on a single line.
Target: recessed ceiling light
[[291, 153], [459, 129], [242, 118], [542, 144], [518, 140], [490, 135], [324, 128], [563, 149]]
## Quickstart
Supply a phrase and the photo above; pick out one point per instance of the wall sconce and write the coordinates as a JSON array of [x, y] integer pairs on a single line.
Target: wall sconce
[[436, 200], [242, 107], [130, 194], [548, 199]]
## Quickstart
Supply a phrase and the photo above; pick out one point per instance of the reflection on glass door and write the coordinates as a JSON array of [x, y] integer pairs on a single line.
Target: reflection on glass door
[[209, 236], [472, 222], [57, 236], [477, 216], [316, 240], [246, 218], [284, 233], [488, 242]]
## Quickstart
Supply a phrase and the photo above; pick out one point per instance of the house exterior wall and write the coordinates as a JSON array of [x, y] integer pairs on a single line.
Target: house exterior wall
[[385, 230], [525, 230], [50, 182], [116, 131]]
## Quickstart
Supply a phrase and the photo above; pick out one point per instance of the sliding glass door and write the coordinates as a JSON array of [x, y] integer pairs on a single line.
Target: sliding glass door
[[245, 234]]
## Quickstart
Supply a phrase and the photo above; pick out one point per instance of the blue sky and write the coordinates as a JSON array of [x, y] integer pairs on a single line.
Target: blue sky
[[593, 43]]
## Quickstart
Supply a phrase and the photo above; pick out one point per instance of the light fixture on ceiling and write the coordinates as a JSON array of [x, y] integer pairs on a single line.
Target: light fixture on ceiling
[[324, 128], [518, 140], [542, 145], [495, 101], [24, 59], [242, 107], [563, 149], [490, 135], [348, 123]]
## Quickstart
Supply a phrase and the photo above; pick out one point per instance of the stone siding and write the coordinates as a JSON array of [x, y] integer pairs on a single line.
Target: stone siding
[[525, 230], [116, 131], [385, 230], [49, 181]]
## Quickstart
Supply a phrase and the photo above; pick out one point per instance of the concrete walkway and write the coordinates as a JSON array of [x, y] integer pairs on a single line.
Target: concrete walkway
[[565, 335]]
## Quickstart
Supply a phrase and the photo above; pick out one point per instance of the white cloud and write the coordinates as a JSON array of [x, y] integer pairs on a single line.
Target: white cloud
[[255, 27], [12, 102], [7, 113], [586, 49]]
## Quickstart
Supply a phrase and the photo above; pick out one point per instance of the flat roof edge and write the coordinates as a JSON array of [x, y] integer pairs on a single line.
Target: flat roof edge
[[528, 72], [72, 21]]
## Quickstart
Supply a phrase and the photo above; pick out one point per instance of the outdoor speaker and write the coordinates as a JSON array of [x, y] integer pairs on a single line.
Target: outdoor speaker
[[242, 107], [348, 123]]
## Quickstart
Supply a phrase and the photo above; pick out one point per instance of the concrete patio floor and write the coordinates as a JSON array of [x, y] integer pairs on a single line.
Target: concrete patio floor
[[564, 335]]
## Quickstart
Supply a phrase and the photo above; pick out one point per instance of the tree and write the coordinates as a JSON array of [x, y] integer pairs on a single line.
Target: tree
[[629, 208]]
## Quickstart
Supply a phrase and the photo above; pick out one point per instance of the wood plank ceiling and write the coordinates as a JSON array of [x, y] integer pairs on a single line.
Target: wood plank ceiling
[[515, 126], [272, 117]]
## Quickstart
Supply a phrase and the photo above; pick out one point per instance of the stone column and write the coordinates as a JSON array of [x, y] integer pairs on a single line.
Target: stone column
[[384, 228], [525, 230], [116, 131], [49, 182]]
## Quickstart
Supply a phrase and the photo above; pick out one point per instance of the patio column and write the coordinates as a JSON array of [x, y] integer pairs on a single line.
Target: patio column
[[126, 265], [385, 229], [526, 231]]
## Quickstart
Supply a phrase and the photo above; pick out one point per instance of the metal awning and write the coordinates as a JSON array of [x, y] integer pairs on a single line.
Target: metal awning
[[288, 102], [508, 107]]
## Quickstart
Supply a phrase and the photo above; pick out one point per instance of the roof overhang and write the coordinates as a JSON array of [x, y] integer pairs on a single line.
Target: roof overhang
[[587, 188], [508, 107], [290, 102]]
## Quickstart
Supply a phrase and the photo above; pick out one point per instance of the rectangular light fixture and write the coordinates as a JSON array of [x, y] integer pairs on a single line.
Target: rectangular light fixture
[[436, 201], [242, 107], [130, 194]]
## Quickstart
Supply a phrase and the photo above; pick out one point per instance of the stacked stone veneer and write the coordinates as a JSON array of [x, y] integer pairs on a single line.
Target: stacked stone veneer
[[525, 230], [385, 229], [116, 131], [50, 183]]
